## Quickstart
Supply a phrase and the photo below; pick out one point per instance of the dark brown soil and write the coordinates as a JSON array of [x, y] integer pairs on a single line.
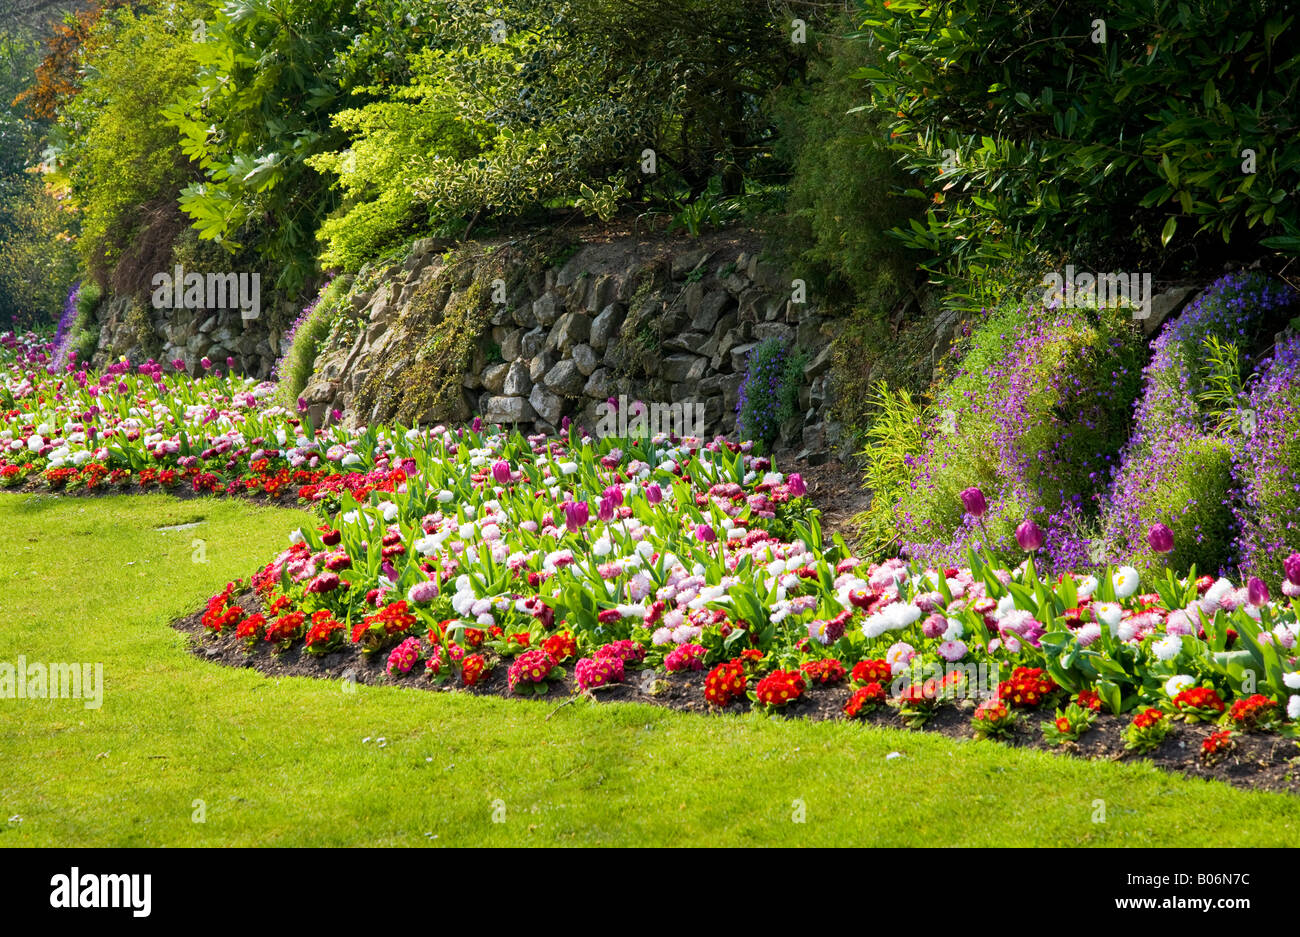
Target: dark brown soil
[[1259, 762], [837, 491], [35, 485]]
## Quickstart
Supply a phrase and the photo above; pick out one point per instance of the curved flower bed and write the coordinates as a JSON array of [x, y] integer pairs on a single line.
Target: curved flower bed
[[477, 551]]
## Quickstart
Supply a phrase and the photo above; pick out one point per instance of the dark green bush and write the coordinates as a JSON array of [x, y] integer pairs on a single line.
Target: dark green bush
[[845, 192], [1027, 136]]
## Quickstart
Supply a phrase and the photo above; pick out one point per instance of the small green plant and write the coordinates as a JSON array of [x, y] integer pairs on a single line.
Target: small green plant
[[1221, 391], [708, 209], [604, 201], [895, 436], [85, 328], [1147, 730], [1068, 725]]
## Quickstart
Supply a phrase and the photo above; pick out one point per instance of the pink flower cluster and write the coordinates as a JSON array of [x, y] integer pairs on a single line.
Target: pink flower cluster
[[530, 667], [685, 657], [598, 671], [403, 657]]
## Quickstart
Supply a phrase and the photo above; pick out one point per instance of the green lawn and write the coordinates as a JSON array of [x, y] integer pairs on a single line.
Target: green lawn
[[284, 762]]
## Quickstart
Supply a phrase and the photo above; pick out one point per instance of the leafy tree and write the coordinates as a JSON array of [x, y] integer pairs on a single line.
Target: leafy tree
[[1034, 125], [123, 163], [534, 104], [845, 193], [37, 261], [271, 76]]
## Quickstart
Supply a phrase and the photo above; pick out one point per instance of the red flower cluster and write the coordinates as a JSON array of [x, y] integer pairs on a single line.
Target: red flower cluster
[[1148, 718], [864, 699], [1217, 744], [219, 614], [1027, 687], [826, 672], [780, 688], [992, 710], [394, 618], [473, 669], [871, 671], [725, 682], [1253, 712], [561, 646], [250, 628], [1088, 699], [1199, 698], [285, 628], [325, 632]]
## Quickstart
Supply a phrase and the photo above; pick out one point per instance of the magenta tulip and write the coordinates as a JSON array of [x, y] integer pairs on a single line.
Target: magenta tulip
[[1291, 565], [576, 514], [972, 499], [1160, 538], [1029, 536]]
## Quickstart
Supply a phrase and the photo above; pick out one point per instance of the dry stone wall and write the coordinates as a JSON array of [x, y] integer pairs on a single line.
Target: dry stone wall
[[664, 323]]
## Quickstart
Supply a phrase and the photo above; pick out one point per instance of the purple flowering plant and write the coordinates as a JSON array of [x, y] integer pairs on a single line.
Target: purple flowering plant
[[1042, 400]]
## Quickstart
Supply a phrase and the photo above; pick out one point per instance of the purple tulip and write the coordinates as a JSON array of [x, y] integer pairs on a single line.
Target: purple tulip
[[1029, 536], [1256, 591], [206, 362], [230, 362], [1292, 567], [336, 414], [795, 486], [477, 425], [705, 533], [1160, 538], [576, 514], [302, 405], [606, 509], [654, 494], [501, 471], [564, 424], [178, 364], [615, 494], [972, 499]]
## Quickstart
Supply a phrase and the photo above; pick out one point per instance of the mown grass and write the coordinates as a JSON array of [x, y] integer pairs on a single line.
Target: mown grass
[[270, 762]]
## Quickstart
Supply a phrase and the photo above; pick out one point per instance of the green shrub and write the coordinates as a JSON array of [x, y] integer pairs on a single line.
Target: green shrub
[[1267, 470], [38, 256], [1191, 397], [845, 192], [895, 437], [1192, 500], [272, 74], [302, 343], [121, 160], [1022, 125], [557, 107]]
